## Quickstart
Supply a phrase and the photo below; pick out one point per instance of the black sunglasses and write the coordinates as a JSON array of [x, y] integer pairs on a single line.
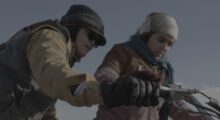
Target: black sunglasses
[[94, 37]]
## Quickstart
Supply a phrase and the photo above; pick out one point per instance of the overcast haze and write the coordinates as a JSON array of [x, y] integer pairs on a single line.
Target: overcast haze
[[195, 56]]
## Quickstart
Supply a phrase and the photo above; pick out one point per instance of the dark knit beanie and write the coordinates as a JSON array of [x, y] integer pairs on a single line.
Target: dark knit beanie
[[84, 16]]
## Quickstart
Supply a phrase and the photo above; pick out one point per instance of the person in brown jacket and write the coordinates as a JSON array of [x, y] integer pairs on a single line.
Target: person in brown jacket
[[35, 68], [145, 51]]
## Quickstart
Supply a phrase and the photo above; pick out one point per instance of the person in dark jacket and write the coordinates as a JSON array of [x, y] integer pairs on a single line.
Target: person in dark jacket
[[35, 68]]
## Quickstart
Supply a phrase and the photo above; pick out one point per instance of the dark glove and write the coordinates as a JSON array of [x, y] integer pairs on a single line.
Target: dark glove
[[108, 94], [124, 91], [129, 91], [152, 85], [152, 94]]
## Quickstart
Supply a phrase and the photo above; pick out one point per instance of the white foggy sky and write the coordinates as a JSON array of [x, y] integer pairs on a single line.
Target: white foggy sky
[[195, 56]]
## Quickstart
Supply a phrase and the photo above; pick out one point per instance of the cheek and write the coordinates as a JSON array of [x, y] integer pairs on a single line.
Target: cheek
[[167, 49], [81, 43], [82, 38], [152, 46]]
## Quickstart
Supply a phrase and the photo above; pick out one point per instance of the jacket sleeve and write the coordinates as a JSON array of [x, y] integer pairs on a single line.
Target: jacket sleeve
[[181, 110], [48, 59], [112, 65]]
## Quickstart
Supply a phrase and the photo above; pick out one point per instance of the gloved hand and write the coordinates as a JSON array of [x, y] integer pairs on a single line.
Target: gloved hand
[[152, 83], [129, 90]]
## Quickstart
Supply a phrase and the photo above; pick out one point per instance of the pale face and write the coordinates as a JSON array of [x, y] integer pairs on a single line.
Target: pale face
[[159, 44], [83, 44]]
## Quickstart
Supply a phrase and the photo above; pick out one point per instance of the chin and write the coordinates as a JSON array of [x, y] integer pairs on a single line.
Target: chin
[[158, 57], [84, 55]]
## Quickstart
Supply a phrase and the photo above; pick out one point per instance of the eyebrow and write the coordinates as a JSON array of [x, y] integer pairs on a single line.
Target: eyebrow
[[170, 40], [167, 39], [162, 36]]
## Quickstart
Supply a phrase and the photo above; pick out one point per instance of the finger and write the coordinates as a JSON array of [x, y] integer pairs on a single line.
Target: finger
[[121, 91], [134, 90], [142, 92], [154, 100], [155, 88], [149, 88]]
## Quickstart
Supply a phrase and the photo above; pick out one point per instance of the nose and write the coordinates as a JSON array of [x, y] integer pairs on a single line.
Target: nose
[[164, 47]]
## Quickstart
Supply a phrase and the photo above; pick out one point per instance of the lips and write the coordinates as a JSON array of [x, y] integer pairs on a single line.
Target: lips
[[159, 53]]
